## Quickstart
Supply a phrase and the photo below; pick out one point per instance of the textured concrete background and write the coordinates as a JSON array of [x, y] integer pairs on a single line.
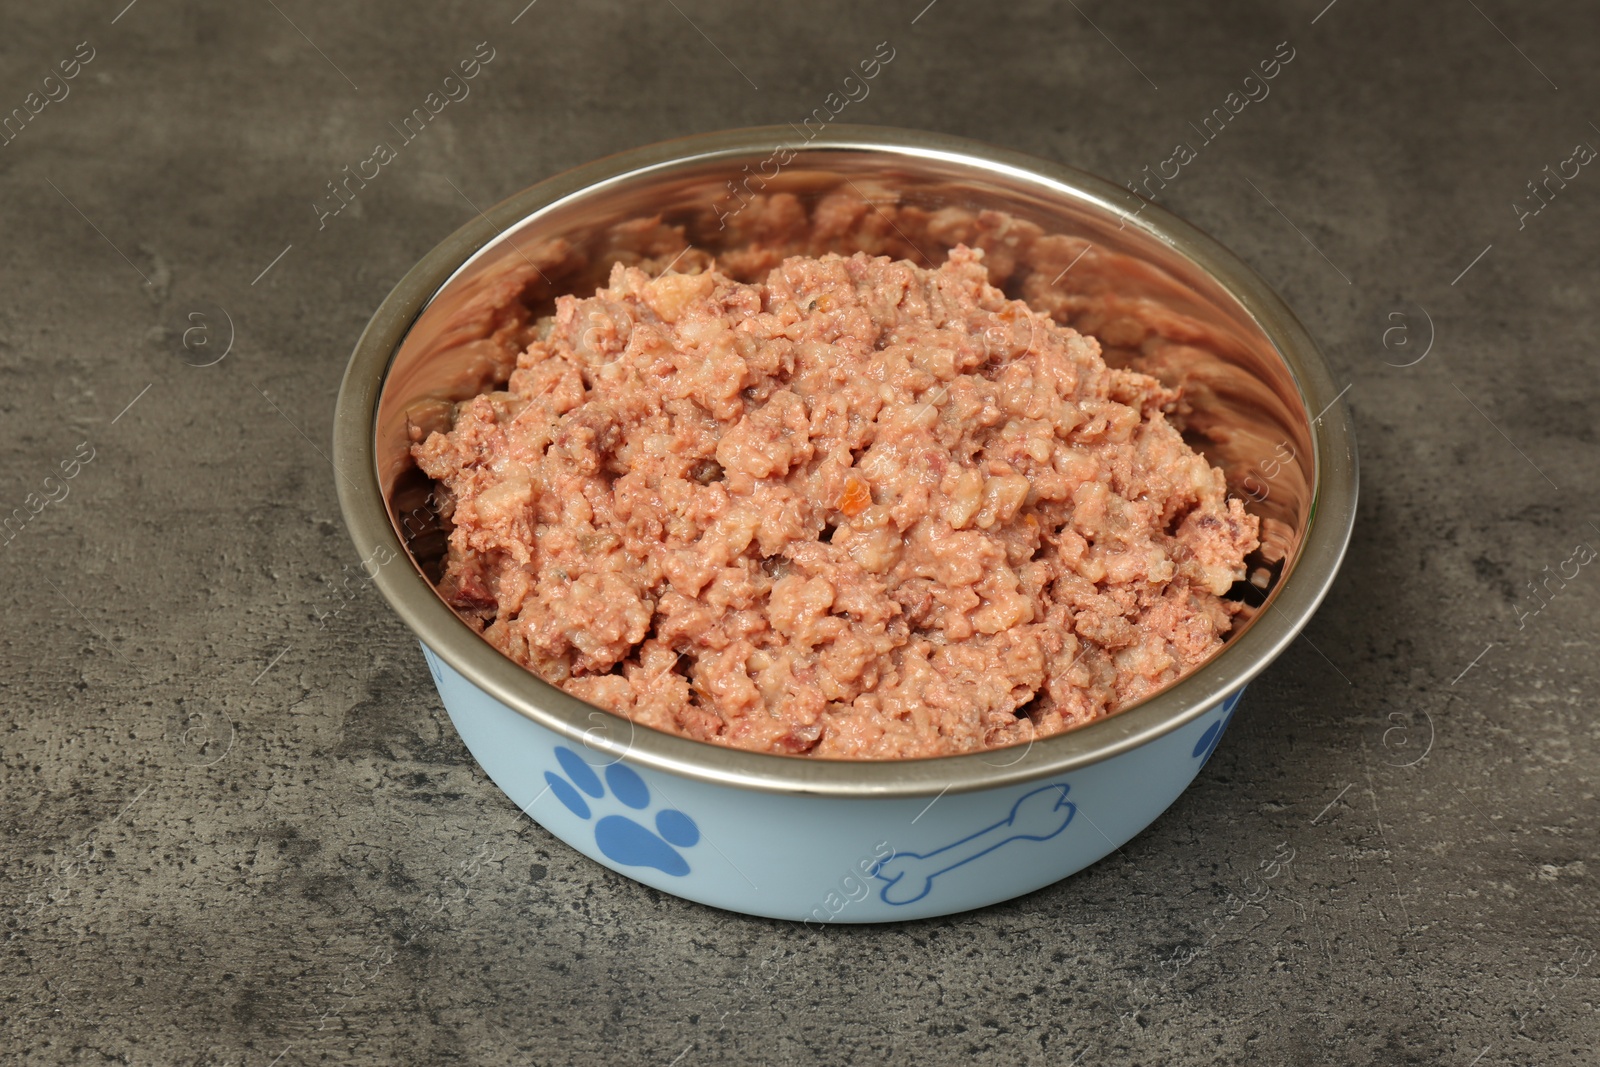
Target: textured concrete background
[[233, 834]]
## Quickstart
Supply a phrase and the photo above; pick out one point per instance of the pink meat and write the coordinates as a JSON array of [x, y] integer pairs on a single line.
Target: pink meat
[[859, 510]]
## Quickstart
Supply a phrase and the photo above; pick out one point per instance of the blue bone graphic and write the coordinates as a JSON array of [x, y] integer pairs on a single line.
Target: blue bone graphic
[[1037, 816]]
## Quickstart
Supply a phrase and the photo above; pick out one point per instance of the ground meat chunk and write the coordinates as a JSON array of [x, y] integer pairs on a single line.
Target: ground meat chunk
[[859, 510]]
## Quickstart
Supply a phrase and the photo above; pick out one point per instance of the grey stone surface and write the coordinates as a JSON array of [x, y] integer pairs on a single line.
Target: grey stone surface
[[233, 834]]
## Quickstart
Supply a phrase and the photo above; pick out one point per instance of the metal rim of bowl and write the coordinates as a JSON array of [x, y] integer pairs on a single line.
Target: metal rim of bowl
[[1331, 519]]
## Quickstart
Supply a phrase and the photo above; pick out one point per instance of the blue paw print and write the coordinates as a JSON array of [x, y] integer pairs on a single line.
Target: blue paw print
[[1208, 740], [619, 837]]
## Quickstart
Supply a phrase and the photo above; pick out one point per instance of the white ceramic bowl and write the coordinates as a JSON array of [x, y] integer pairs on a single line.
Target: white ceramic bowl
[[836, 841]]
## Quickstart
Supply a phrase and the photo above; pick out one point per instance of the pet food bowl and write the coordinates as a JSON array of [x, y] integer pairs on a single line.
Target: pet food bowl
[[826, 840]]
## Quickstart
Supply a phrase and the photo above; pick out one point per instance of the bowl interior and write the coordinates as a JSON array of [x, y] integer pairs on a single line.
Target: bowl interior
[[1163, 298]]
